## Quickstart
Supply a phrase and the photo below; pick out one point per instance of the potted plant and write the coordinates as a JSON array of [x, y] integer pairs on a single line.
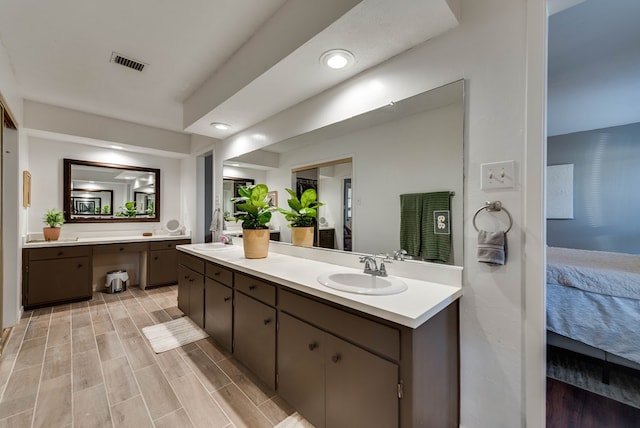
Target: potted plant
[[129, 210], [301, 216], [254, 212], [54, 219]]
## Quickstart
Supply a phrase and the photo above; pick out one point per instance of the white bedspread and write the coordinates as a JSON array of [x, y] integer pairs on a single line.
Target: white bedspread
[[613, 274]]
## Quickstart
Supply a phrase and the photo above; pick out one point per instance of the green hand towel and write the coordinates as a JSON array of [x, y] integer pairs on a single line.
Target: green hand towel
[[411, 223], [434, 247]]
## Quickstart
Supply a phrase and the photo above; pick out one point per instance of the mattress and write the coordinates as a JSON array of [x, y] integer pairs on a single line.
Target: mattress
[[606, 322], [612, 274]]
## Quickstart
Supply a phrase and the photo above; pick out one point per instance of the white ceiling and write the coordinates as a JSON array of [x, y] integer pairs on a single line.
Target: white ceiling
[[235, 61]]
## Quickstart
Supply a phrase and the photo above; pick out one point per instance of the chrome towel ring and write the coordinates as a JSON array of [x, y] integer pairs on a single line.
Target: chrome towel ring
[[493, 206]]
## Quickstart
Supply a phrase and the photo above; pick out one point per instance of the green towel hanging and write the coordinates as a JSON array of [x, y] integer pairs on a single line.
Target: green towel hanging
[[435, 246], [418, 235], [411, 223]]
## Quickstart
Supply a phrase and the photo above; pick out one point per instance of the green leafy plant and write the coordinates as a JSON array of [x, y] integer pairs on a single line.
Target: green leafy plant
[[303, 211], [53, 218], [105, 209], [151, 209], [253, 207], [129, 210]]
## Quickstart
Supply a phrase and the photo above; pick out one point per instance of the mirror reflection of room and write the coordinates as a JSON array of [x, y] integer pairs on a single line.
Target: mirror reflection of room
[[103, 192], [362, 198]]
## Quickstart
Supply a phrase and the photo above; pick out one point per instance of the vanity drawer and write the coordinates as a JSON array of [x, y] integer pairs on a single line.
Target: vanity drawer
[[369, 334], [192, 262], [220, 274], [168, 244], [133, 247], [58, 252], [256, 288]]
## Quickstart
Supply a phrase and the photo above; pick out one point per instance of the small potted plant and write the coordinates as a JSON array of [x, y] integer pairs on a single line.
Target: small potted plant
[[301, 216], [254, 212], [54, 219]]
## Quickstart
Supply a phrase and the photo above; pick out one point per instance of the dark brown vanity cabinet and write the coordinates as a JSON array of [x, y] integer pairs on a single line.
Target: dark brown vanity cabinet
[[162, 262], [334, 383], [191, 287], [218, 304], [254, 329], [337, 366], [54, 275]]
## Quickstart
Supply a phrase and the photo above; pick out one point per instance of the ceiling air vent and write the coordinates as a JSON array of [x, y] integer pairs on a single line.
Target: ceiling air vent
[[127, 62]]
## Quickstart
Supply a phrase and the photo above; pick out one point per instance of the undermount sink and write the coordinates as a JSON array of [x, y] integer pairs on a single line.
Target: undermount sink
[[212, 246], [362, 283]]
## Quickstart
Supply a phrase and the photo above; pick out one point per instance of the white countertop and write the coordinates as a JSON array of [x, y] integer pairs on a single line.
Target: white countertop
[[94, 240], [411, 308]]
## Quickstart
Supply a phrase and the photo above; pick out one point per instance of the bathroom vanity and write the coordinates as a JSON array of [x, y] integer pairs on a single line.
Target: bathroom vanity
[[341, 359], [62, 271]]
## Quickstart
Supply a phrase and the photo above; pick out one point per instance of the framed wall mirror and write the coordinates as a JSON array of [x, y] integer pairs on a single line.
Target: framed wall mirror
[[96, 192]]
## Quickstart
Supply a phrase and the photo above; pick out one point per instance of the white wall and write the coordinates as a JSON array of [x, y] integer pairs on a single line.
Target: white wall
[[499, 49], [46, 167]]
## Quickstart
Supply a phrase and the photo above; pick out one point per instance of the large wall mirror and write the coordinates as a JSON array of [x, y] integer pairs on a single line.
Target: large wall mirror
[[96, 192], [411, 146]]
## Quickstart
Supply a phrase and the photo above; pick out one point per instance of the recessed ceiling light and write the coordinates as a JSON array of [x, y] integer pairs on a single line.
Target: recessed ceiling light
[[221, 126], [337, 58]]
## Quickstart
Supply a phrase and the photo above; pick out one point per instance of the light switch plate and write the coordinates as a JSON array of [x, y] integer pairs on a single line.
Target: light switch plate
[[497, 175]]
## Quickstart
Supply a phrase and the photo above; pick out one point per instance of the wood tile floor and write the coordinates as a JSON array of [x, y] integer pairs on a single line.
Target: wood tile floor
[[88, 364]]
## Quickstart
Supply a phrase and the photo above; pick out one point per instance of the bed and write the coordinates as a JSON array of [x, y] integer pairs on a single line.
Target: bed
[[593, 304]]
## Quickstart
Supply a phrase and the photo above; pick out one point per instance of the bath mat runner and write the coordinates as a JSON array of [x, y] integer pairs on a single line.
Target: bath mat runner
[[172, 334]]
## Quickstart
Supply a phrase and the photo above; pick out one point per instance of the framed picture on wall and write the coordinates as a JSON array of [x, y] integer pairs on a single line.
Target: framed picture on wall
[[273, 195], [26, 189]]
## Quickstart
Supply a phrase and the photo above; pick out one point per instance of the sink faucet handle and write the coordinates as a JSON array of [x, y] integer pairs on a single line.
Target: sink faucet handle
[[399, 254]]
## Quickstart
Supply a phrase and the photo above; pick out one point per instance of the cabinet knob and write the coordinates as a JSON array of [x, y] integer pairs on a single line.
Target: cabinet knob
[[79, 265], [252, 287], [191, 279], [121, 249], [312, 346], [60, 253], [155, 258], [216, 274], [335, 358], [226, 299], [186, 277], [267, 321]]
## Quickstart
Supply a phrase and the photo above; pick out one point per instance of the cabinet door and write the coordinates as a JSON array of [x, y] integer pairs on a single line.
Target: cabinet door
[[361, 388], [57, 280], [218, 312], [254, 337], [301, 368], [183, 288], [196, 299], [163, 267]]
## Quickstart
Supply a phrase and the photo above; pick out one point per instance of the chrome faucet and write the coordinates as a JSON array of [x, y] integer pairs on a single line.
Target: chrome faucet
[[399, 254], [371, 266]]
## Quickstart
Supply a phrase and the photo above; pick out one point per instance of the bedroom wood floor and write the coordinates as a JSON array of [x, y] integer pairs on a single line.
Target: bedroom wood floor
[[88, 365], [572, 407]]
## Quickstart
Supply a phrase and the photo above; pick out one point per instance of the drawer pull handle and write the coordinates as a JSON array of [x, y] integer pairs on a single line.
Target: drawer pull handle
[[60, 253], [336, 358], [79, 265], [226, 299], [312, 346], [267, 321], [121, 249], [252, 287]]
